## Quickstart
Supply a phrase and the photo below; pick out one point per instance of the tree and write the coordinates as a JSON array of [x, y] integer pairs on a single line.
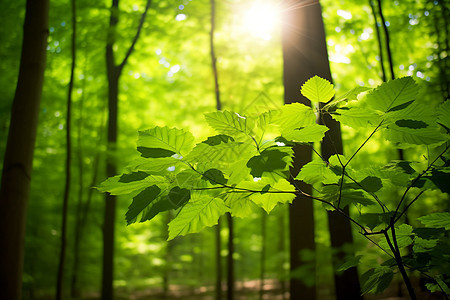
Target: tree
[[113, 73], [17, 164]]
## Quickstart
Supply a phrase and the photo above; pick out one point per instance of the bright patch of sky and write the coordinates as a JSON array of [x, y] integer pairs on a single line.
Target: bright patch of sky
[[180, 17], [260, 20]]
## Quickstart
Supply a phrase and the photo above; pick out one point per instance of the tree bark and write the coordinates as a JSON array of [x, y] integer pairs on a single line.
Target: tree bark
[[17, 164], [63, 246], [113, 73]]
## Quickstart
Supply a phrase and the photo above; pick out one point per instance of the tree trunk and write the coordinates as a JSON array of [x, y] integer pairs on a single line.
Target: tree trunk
[[17, 164], [63, 246], [113, 72]]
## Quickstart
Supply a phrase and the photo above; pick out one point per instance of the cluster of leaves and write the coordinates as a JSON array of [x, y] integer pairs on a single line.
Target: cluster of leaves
[[247, 164]]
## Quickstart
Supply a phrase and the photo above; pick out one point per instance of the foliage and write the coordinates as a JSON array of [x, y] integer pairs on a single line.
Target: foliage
[[248, 163]]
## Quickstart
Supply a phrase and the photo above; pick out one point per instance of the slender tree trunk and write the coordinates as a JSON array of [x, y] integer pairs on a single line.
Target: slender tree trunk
[[17, 164], [380, 45], [263, 254], [113, 73], [63, 246]]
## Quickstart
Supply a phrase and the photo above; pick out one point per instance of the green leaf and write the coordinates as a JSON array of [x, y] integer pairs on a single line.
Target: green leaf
[[218, 139], [270, 160], [171, 139], [201, 211], [423, 245], [176, 198], [230, 123], [376, 280], [353, 262], [135, 176], [154, 152], [373, 220], [114, 186], [317, 172], [214, 176], [348, 96], [317, 90], [348, 196], [413, 124], [356, 117], [141, 201], [443, 113], [240, 204], [406, 135], [391, 95], [371, 184], [403, 234], [294, 115], [436, 220], [310, 134], [279, 192], [440, 179], [156, 166]]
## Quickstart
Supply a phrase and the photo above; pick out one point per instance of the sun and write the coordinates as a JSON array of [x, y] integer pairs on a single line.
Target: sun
[[261, 20]]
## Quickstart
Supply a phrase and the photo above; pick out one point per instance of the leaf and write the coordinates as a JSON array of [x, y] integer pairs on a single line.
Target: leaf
[[218, 139], [135, 176], [356, 117], [270, 160], [403, 234], [371, 184], [440, 179], [353, 262], [114, 186], [155, 165], [372, 220], [230, 123], [348, 96], [176, 198], [171, 139], [280, 192], [376, 280], [141, 201], [294, 115], [199, 212], [348, 196], [214, 176], [443, 113], [391, 95], [317, 90], [240, 204], [309, 134], [154, 152], [413, 136], [317, 172], [436, 220]]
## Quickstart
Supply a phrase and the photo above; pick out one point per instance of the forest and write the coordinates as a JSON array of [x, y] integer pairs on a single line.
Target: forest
[[236, 149]]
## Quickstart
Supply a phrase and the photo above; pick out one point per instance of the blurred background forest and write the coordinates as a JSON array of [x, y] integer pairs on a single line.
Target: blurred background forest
[[168, 79]]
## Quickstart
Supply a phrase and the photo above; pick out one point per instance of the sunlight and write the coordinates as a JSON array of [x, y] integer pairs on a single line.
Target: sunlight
[[261, 20]]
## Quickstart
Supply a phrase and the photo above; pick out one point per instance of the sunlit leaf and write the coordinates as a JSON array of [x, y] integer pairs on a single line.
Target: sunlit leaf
[[229, 123], [171, 139], [317, 90], [348, 96], [141, 201], [436, 220], [201, 211], [114, 186], [310, 134], [317, 172]]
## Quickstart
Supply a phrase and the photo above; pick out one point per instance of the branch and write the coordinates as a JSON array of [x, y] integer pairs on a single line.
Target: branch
[[138, 32]]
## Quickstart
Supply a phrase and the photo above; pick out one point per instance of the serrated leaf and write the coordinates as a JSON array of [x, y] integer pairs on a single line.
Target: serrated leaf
[[270, 160], [436, 220], [443, 113], [141, 201], [403, 234], [240, 204], [176, 198], [412, 136], [392, 94], [171, 139], [348, 196], [356, 117], [279, 192], [440, 180], [423, 245], [293, 116], [353, 262], [113, 185], [218, 139], [155, 165], [214, 176], [317, 90], [372, 220], [317, 172], [202, 211], [230, 123], [310, 134], [371, 184], [348, 96], [376, 280]]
